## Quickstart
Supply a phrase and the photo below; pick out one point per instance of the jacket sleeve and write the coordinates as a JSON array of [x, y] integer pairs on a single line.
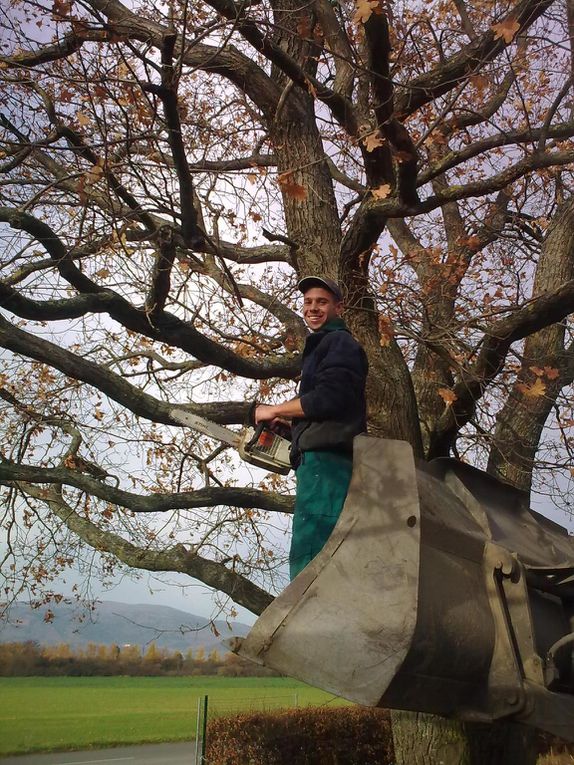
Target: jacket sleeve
[[339, 379]]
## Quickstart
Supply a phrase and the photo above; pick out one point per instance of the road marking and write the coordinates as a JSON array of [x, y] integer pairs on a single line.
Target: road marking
[[92, 762]]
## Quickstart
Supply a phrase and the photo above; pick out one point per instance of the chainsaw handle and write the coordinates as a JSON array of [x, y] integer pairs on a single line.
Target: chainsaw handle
[[255, 437], [279, 429]]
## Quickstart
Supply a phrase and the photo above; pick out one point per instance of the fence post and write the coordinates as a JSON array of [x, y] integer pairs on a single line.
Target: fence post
[[204, 731]]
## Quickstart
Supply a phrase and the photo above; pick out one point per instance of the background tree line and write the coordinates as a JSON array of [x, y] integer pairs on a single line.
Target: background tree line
[[31, 659], [170, 170]]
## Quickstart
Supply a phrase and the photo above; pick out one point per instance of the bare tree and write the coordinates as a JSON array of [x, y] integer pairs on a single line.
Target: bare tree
[[170, 171]]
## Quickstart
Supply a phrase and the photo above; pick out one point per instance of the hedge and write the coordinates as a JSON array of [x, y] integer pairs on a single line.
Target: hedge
[[307, 736]]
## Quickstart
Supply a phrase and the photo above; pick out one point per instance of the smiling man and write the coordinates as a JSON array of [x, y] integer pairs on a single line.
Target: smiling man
[[328, 413]]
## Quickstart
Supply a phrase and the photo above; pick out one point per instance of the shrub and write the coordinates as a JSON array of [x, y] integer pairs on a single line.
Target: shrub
[[554, 750], [310, 736]]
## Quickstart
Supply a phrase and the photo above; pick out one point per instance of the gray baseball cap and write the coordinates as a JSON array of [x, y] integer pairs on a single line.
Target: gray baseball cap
[[320, 281]]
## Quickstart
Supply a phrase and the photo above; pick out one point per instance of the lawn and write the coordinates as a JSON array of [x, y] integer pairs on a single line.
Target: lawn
[[57, 713]]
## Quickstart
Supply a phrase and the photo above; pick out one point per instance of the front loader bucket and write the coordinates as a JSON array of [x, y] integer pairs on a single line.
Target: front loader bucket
[[438, 591]]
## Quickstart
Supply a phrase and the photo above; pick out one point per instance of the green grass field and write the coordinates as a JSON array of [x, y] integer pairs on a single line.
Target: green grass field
[[57, 713]]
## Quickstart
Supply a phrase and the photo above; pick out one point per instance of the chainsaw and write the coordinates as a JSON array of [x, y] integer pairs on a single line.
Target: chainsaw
[[257, 444]]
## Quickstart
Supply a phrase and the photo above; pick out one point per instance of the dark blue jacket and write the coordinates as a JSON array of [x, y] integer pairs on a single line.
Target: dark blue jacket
[[332, 392]]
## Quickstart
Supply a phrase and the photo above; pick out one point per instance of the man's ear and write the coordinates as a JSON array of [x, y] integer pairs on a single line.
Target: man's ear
[[339, 308]]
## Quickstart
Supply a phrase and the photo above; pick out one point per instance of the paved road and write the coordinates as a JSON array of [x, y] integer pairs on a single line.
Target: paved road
[[150, 754]]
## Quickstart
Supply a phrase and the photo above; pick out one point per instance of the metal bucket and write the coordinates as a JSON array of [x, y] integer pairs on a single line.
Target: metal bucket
[[438, 591]]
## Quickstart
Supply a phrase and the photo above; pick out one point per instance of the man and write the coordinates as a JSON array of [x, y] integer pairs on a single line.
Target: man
[[328, 413]]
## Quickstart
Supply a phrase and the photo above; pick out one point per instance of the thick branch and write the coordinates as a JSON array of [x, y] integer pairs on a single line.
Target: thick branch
[[166, 327], [379, 49], [70, 43], [226, 62], [177, 558], [153, 503], [259, 254], [447, 76], [161, 274], [371, 217], [233, 165], [530, 318], [192, 235], [521, 420], [340, 106], [454, 158], [338, 43], [113, 385]]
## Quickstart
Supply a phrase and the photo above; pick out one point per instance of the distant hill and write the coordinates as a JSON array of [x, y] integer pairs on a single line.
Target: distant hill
[[120, 623]]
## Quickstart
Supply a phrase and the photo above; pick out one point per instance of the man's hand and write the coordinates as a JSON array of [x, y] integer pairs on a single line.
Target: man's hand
[[265, 413], [279, 425], [279, 414]]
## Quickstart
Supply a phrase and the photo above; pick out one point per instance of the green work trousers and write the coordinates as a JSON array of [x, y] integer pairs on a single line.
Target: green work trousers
[[323, 479]]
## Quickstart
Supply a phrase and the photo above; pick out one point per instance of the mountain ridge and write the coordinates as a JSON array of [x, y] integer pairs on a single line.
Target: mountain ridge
[[113, 622]]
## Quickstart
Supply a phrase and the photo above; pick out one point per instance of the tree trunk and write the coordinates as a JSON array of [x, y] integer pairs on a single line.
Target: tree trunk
[[520, 422], [421, 739]]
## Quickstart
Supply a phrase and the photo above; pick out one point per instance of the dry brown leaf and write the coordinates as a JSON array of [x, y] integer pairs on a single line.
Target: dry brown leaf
[[94, 174], [506, 29], [386, 331], [62, 8], [291, 188], [304, 26], [365, 9], [251, 177], [291, 342], [472, 242], [480, 82], [537, 371], [83, 120], [373, 140], [103, 273], [382, 191], [214, 629], [551, 373], [318, 34], [447, 395], [246, 350], [537, 389]]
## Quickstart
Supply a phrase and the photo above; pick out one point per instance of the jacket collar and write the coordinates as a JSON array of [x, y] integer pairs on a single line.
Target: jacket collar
[[333, 325], [314, 338]]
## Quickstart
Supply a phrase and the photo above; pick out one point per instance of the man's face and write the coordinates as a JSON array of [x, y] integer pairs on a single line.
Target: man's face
[[319, 307]]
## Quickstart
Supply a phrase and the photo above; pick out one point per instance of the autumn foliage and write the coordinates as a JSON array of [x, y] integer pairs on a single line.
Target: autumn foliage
[[169, 172], [31, 659]]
